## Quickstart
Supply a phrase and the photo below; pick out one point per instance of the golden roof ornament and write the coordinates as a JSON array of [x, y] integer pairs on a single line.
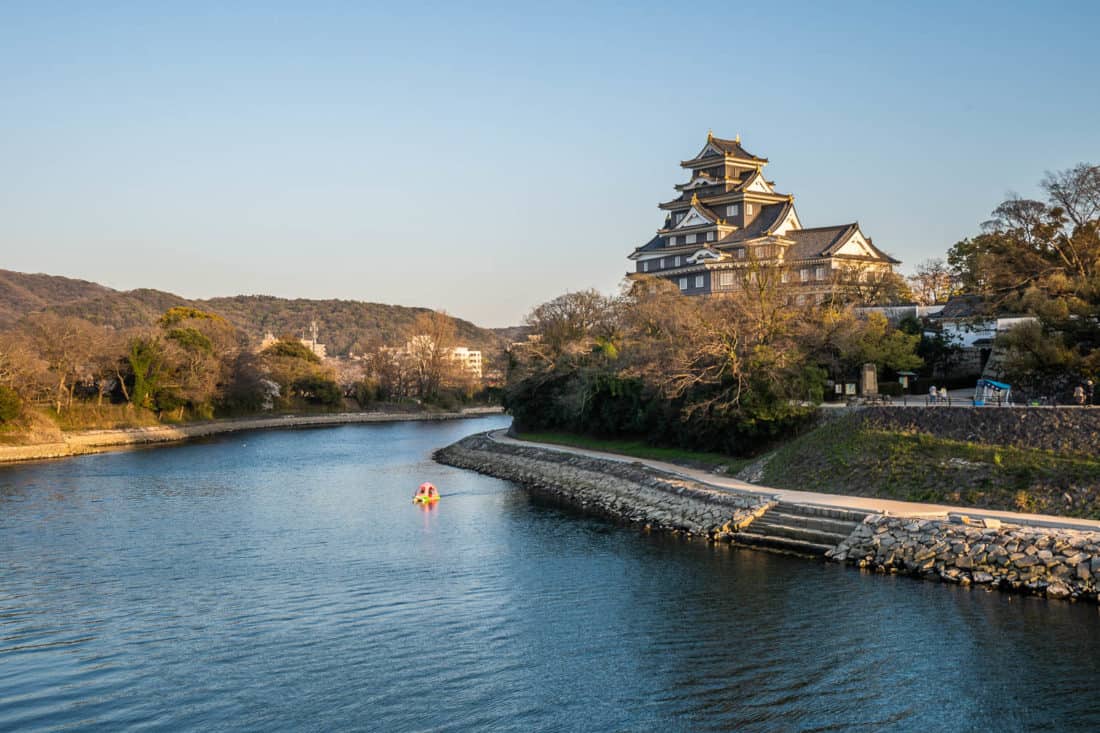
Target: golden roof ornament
[[694, 199], [710, 136], [737, 138]]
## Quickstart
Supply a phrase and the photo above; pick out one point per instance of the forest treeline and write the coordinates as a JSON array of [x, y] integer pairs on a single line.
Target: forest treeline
[[736, 372], [727, 374], [63, 371]]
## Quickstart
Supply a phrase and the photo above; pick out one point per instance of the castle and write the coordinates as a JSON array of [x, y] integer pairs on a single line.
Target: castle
[[729, 220]]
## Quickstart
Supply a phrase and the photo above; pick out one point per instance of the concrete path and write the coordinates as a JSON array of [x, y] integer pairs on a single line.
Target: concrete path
[[871, 505]]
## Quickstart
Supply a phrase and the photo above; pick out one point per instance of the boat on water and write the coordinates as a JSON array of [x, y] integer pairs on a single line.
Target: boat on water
[[426, 494]]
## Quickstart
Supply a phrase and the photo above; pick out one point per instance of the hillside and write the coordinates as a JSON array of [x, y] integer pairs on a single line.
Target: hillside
[[343, 324]]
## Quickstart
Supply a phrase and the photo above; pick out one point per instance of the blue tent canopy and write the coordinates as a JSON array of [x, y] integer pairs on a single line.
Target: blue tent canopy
[[996, 385], [988, 389]]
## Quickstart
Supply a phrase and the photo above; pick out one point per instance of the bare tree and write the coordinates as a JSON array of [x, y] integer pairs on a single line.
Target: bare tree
[[1077, 191], [21, 369], [573, 320], [430, 351], [65, 344], [933, 282]]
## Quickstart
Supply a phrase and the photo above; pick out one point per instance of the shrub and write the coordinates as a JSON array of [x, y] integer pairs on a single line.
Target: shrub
[[366, 392], [10, 404], [891, 389], [318, 390], [292, 349]]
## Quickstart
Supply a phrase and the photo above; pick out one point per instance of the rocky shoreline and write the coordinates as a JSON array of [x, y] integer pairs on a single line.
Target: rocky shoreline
[[1049, 562], [1056, 563], [626, 492], [99, 441]]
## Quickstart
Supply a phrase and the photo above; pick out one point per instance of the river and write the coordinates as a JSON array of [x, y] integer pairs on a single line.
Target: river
[[283, 580]]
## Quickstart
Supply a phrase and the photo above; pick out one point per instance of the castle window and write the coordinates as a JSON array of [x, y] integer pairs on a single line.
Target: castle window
[[741, 253], [672, 241], [683, 283], [804, 274], [785, 277], [748, 209], [645, 266], [710, 236], [662, 262], [698, 281], [819, 273], [732, 210], [691, 239], [725, 279], [677, 260]]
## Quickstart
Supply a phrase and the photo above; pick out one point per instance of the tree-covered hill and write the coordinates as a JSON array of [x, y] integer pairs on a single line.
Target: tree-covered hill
[[343, 324]]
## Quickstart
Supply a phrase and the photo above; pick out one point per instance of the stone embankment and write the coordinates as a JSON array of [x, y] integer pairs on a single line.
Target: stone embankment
[[1057, 563], [98, 441], [1062, 429], [627, 492], [1044, 561]]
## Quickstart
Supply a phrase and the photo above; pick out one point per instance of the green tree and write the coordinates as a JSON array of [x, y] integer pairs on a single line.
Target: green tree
[[11, 405]]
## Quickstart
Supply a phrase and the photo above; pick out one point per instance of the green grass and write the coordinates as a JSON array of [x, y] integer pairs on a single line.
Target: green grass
[[846, 457], [640, 449]]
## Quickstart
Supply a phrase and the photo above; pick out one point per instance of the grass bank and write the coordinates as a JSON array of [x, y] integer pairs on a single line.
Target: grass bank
[[846, 456], [641, 449]]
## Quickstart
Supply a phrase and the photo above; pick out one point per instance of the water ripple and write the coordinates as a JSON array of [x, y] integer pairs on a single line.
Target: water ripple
[[290, 585]]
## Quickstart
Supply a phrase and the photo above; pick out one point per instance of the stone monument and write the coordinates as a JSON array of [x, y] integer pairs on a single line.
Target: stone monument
[[868, 380]]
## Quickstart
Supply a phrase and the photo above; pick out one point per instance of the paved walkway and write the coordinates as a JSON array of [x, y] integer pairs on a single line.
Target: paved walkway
[[858, 503]]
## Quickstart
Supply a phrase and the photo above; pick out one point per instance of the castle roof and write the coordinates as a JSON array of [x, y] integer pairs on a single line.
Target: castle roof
[[768, 219], [820, 242], [733, 148], [717, 147]]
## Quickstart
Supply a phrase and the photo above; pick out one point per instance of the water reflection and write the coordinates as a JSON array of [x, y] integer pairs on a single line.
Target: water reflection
[[285, 580]]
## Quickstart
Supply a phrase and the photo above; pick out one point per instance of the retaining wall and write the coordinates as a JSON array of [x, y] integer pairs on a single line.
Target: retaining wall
[[627, 492], [1063, 429]]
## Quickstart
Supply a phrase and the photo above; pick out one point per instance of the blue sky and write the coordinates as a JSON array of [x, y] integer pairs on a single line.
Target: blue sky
[[483, 158]]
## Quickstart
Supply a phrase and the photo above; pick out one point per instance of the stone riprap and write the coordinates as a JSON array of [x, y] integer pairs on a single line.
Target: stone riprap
[[1051, 562], [1056, 563], [627, 492]]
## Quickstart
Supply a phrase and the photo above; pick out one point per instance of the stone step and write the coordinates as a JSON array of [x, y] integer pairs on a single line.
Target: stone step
[[824, 524], [809, 510], [785, 544], [807, 534]]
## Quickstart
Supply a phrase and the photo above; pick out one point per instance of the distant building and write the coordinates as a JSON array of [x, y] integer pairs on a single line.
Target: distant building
[[310, 343], [727, 216], [470, 360]]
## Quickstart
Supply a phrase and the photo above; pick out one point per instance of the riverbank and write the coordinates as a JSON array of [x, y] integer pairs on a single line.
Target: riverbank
[[1034, 554], [99, 441]]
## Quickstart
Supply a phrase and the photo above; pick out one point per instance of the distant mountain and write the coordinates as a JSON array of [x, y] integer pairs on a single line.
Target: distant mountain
[[343, 325]]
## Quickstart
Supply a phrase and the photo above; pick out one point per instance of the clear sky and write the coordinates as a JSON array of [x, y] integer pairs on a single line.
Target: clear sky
[[483, 158]]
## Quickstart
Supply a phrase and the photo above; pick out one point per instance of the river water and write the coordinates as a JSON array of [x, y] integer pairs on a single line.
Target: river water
[[284, 581]]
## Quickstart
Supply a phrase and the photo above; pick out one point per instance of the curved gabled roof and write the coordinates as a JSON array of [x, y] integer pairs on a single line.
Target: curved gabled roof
[[826, 241], [770, 217], [717, 145], [733, 147]]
